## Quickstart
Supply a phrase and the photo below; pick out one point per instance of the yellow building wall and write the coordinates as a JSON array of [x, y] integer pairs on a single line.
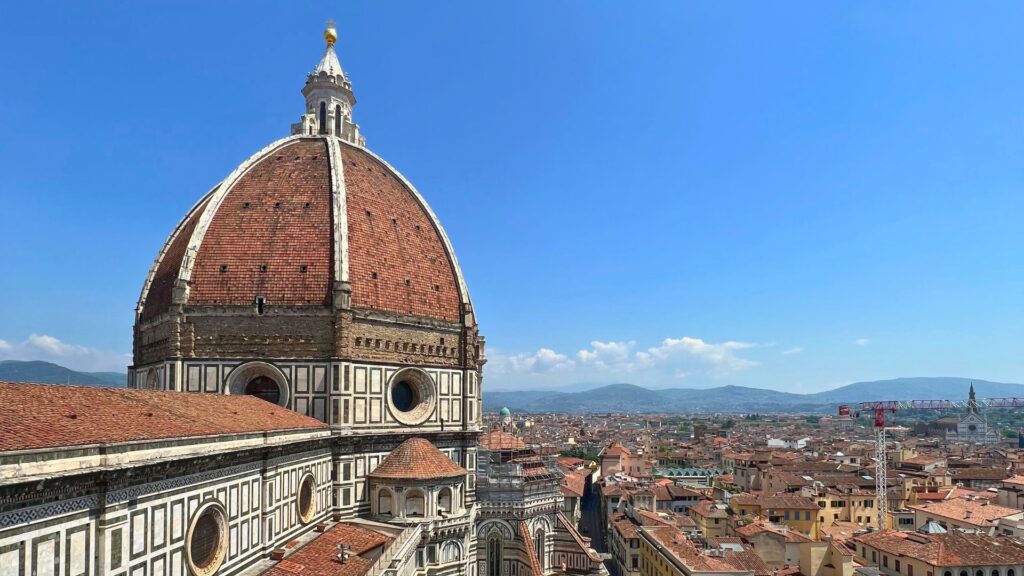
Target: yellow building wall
[[797, 518], [852, 509]]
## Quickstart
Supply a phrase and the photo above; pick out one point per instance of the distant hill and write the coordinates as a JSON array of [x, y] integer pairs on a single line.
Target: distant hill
[[49, 373], [632, 398], [935, 388]]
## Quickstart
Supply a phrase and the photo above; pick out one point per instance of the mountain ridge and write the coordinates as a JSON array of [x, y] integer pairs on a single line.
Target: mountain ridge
[[40, 372], [624, 397]]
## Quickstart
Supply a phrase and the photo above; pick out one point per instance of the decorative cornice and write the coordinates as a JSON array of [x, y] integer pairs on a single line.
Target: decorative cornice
[[129, 493], [48, 510]]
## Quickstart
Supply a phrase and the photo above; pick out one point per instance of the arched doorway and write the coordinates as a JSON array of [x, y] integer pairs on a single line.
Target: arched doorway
[[265, 388]]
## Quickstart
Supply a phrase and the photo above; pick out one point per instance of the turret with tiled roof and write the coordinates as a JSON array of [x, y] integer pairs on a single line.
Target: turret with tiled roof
[[417, 459]]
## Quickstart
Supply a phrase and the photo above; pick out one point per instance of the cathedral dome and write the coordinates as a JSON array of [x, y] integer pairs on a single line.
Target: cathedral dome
[[314, 219], [297, 218]]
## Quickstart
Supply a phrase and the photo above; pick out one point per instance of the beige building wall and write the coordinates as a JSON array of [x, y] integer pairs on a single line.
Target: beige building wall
[[825, 559]]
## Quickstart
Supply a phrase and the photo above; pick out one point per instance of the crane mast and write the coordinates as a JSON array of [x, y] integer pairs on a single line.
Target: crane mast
[[881, 479]]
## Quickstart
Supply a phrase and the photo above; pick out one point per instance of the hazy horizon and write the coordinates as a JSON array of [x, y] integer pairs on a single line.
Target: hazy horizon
[[583, 386]]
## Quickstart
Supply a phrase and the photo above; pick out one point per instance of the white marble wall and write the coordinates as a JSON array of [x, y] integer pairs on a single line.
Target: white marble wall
[[141, 530], [341, 393]]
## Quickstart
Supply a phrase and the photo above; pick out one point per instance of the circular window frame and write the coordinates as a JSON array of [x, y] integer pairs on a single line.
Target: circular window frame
[[241, 375], [426, 396], [311, 513], [216, 508]]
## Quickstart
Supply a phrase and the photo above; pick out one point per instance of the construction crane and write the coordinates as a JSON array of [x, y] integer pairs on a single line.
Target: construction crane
[[880, 408]]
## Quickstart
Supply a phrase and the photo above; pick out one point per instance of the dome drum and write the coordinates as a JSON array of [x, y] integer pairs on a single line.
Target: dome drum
[[415, 502]]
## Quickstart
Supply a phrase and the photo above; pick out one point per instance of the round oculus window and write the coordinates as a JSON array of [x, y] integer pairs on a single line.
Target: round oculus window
[[260, 379], [411, 396], [306, 500], [265, 388], [403, 396], [206, 542]]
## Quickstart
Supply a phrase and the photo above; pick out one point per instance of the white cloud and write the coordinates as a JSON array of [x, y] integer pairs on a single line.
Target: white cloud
[[53, 346], [721, 358], [74, 356], [674, 358], [793, 350], [543, 360], [862, 341], [608, 354]]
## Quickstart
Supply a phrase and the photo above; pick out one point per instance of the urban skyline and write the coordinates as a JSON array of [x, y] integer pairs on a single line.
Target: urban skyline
[[697, 198]]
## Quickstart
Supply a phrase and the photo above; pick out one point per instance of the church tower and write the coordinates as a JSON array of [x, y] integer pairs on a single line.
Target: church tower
[[973, 426]]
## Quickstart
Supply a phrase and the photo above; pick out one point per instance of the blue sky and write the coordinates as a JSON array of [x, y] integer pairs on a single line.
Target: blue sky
[[792, 196]]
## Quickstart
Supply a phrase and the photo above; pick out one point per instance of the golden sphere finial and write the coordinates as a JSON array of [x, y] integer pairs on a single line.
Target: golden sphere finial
[[330, 34]]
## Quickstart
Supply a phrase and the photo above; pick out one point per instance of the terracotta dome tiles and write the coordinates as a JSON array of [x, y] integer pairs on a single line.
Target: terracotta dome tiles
[[417, 459], [271, 235], [397, 260]]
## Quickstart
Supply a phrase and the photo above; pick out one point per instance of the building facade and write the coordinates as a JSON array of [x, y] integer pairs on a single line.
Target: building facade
[[973, 426]]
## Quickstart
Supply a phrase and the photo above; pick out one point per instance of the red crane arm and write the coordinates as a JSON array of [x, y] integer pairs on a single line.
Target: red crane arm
[[894, 405], [1003, 402], [880, 407]]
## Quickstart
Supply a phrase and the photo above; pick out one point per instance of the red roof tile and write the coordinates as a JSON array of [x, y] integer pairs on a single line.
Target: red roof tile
[[531, 550], [51, 416], [976, 512], [615, 449], [417, 458], [954, 548], [319, 556], [497, 439]]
